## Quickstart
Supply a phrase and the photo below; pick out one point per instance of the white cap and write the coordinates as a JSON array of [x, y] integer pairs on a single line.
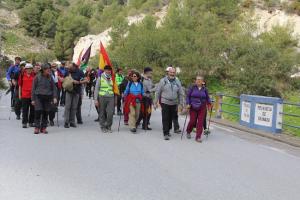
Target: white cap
[[168, 68], [28, 66]]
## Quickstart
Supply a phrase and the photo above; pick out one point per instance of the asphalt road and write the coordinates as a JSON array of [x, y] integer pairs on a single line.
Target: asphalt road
[[85, 164]]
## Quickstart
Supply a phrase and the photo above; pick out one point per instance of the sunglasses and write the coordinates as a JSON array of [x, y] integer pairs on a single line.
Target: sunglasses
[[134, 76]]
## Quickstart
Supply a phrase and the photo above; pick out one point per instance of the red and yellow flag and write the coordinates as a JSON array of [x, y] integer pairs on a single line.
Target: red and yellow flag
[[104, 60]]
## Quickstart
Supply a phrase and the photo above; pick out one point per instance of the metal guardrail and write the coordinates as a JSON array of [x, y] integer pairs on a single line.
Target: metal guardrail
[[220, 102], [220, 109], [290, 115]]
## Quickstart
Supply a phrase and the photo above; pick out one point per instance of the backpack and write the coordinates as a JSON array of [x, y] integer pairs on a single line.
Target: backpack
[[130, 83], [68, 83]]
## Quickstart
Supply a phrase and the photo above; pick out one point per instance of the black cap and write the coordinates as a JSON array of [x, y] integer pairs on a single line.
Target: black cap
[[147, 69], [107, 67]]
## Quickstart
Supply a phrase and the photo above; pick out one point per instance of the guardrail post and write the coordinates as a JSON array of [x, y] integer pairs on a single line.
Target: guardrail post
[[218, 105]]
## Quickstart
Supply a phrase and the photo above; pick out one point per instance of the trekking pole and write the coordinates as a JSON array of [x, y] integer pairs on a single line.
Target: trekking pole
[[208, 131], [119, 123], [184, 125]]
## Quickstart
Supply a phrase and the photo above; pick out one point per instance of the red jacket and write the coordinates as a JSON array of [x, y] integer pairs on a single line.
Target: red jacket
[[59, 83], [25, 83], [130, 100]]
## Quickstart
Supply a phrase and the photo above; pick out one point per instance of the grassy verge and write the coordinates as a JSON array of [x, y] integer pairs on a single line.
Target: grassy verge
[[293, 98]]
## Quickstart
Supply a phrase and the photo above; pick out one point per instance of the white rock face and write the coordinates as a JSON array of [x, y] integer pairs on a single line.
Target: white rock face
[[9, 18], [267, 20], [104, 37]]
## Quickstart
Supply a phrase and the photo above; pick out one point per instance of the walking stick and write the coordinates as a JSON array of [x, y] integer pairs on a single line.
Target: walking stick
[[208, 131], [184, 125]]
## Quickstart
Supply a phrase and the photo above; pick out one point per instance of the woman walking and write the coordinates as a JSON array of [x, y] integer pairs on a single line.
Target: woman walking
[[133, 96], [25, 88], [44, 94], [197, 101]]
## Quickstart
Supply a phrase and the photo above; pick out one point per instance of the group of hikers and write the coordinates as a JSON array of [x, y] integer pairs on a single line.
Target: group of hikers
[[37, 91]]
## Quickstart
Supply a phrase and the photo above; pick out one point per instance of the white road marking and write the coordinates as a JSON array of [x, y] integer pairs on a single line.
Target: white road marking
[[279, 151], [225, 129]]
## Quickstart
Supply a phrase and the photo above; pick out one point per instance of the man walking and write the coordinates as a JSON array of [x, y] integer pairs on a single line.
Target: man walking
[[72, 97], [170, 94], [105, 99], [12, 75], [147, 101]]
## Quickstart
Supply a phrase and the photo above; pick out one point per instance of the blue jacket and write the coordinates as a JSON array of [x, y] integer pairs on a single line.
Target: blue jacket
[[13, 72], [63, 71], [134, 89]]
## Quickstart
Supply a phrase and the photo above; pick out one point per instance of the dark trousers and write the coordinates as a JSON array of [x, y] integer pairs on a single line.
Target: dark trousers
[[63, 97], [168, 114], [41, 118], [119, 103], [52, 112], [145, 114], [27, 111], [197, 119], [204, 121], [175, 120], [58, 95], [12, 96], [88, 90], [78, 112], [18, 106], [42, 108]]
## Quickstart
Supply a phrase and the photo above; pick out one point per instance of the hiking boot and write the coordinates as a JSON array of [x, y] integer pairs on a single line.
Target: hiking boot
[[24, 125], [198, 140], [147, 129], [67, 125], [96, 120], [44, 130], [104, 130], [206, 132], [178, 131], [126, 123], [52, 123], [108, 130], [133, 130], [31, 124], [79, 122], [36, 131], [73, 125], [166, 137], [18, 117], [188, 136]]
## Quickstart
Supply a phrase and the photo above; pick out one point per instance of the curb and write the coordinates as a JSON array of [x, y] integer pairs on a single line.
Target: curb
[[283, 138]]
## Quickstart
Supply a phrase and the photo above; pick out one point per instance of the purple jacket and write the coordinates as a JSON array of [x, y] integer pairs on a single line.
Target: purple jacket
[[196, 97]]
